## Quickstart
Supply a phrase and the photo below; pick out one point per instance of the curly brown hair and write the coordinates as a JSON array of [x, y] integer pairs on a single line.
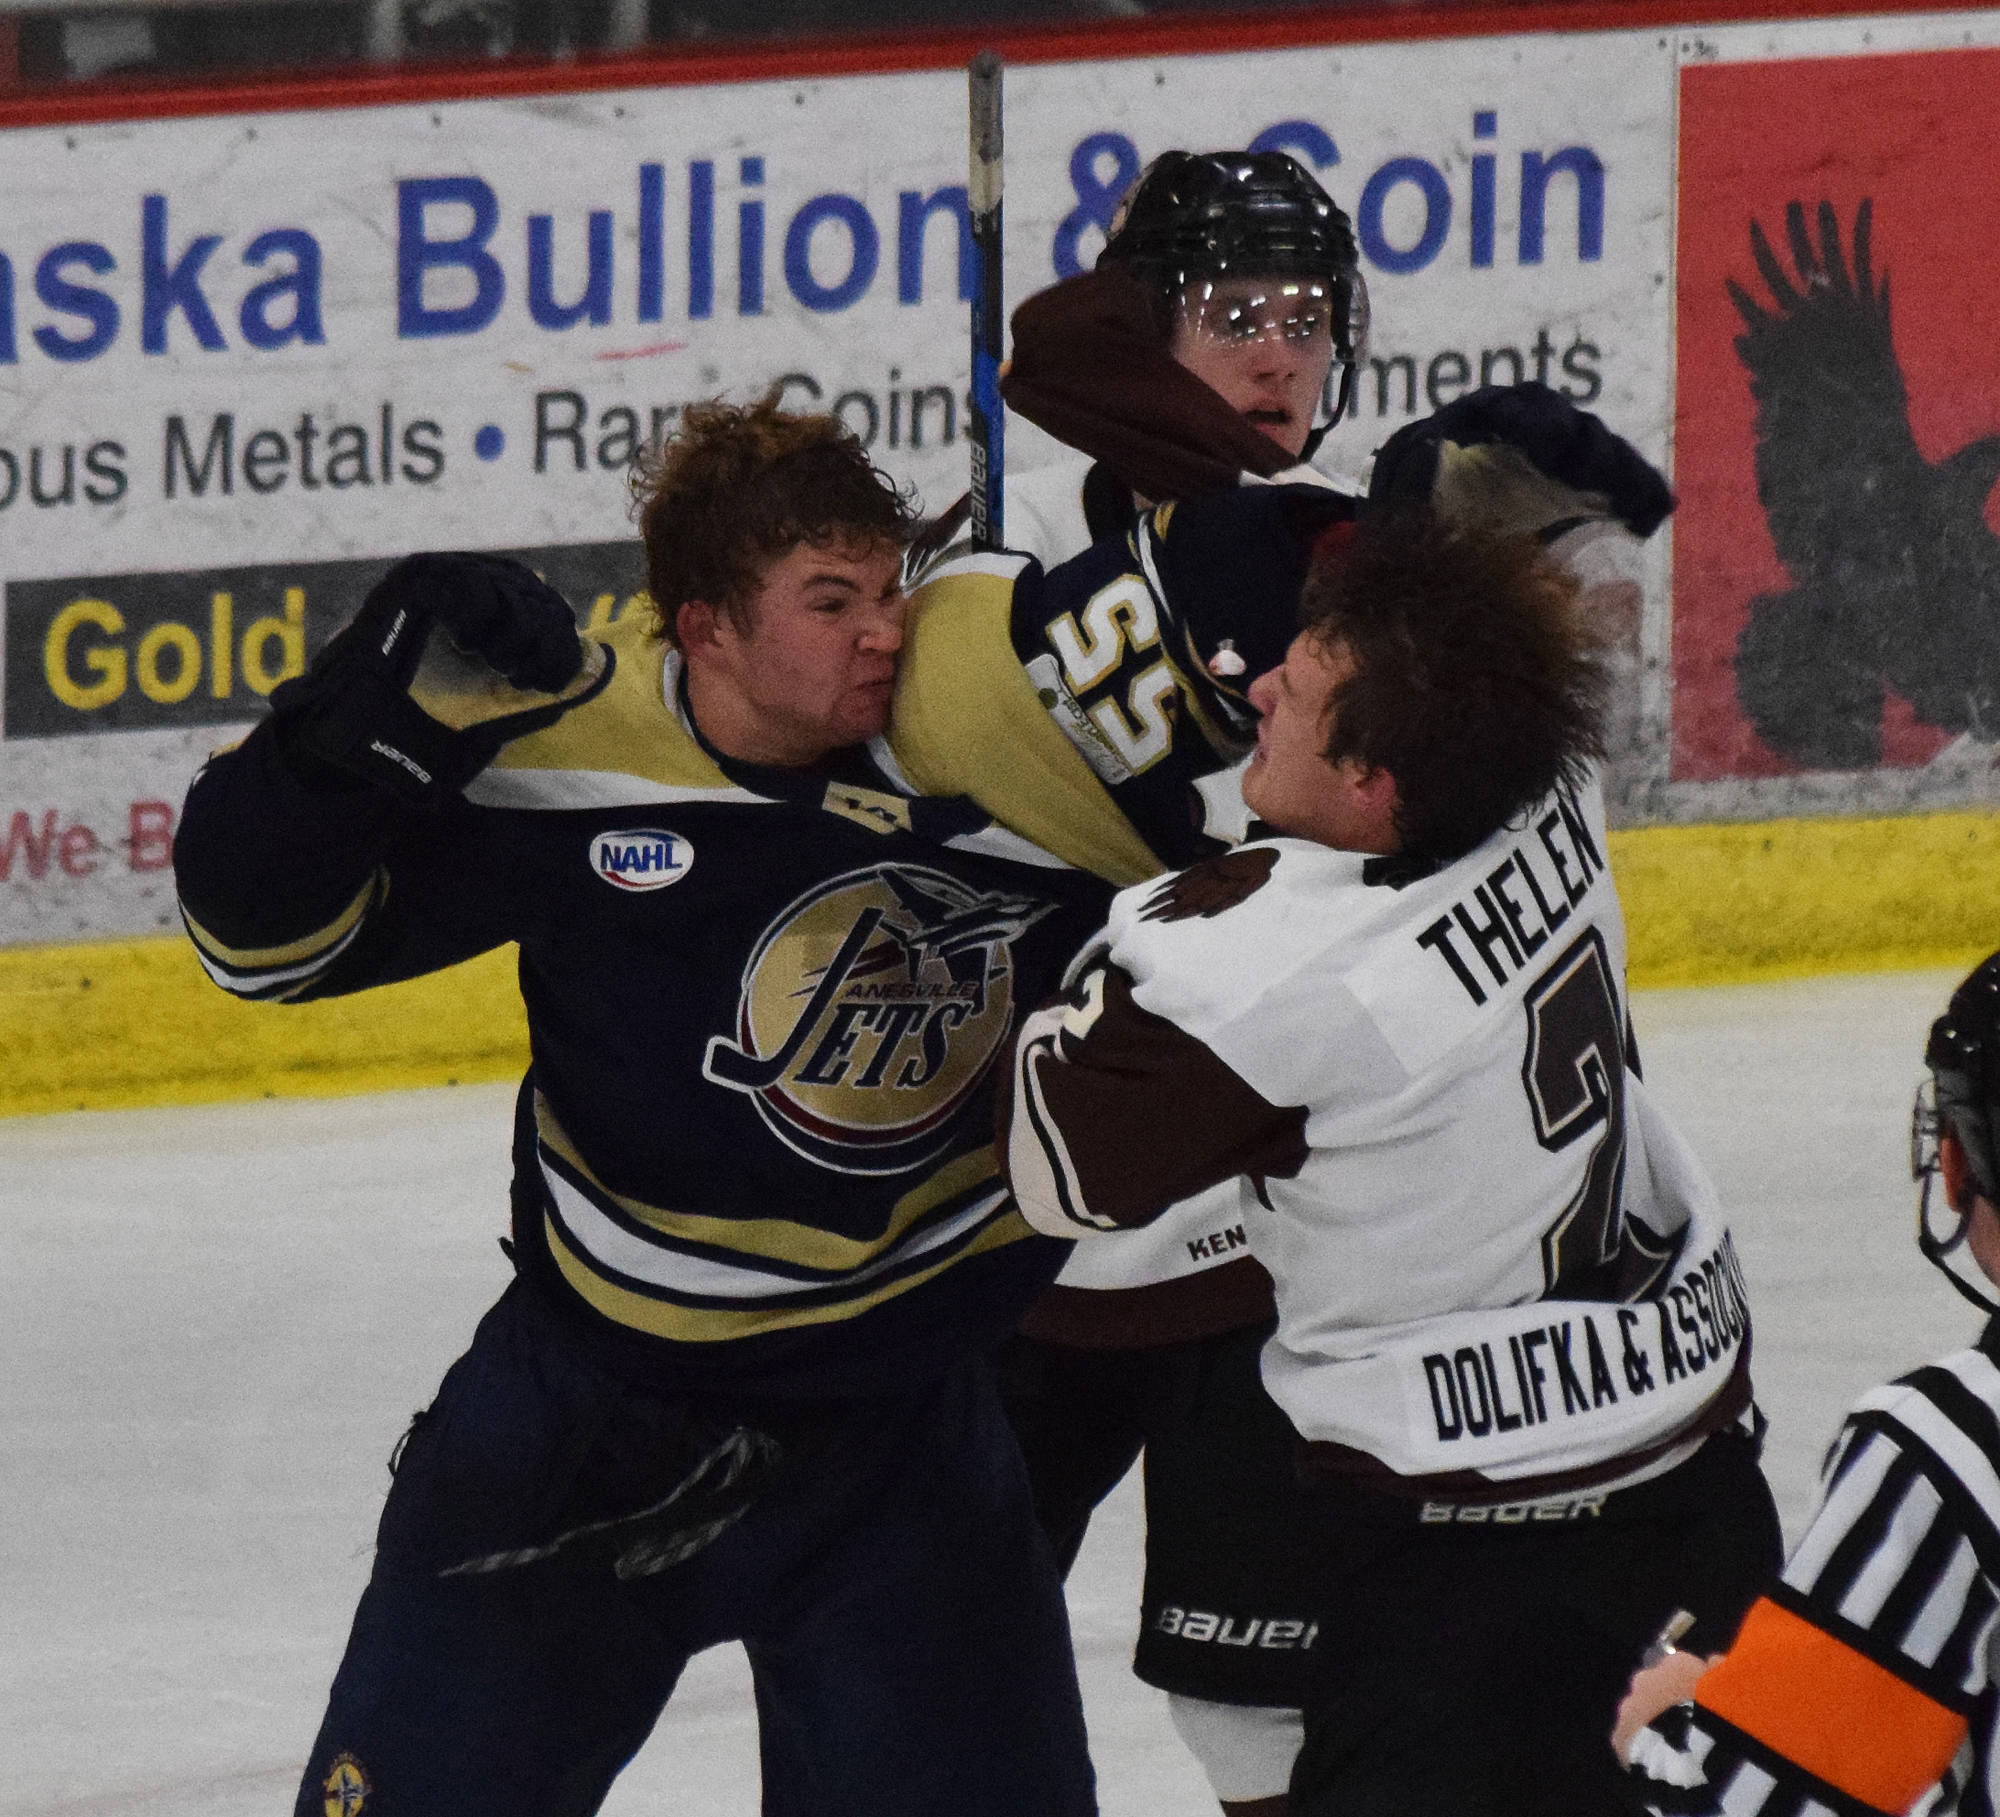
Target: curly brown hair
[[737, 487], [1477, 686]]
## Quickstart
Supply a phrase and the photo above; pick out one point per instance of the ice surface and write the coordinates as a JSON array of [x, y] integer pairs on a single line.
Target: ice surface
[[214, 1323]]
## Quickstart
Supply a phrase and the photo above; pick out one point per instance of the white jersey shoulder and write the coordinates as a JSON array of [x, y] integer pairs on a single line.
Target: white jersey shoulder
[[1332, 948], [1042, 511]]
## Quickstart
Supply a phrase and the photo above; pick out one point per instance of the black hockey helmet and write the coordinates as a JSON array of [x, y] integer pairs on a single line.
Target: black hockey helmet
[[1961, 1095], [1192, 216]]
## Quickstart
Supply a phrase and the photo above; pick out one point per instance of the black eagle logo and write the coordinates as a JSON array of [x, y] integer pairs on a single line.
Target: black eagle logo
[[1896, 578]]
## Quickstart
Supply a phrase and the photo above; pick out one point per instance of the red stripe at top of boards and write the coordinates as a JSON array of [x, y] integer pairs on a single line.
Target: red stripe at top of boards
[[1190, 34]]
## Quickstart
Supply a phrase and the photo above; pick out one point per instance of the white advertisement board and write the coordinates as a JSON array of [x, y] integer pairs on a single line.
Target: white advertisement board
[[245, 361]]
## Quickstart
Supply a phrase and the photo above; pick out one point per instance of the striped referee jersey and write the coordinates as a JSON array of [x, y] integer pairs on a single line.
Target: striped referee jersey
[[1864, 1680]]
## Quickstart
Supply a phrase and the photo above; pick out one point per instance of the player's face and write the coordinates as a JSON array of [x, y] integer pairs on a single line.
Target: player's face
[[1264, 345], [1290, 785], [816, 668]]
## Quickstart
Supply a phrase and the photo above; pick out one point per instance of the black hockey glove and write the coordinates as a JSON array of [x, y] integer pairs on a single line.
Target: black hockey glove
[[1520, 457], [449, 658]]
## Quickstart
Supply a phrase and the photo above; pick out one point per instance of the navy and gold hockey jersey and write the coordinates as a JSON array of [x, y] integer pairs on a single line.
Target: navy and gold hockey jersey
[[766, 1008], [1085, 706]]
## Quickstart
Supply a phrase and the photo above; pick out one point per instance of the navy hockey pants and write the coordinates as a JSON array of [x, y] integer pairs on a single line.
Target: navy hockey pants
[[901, 1611]]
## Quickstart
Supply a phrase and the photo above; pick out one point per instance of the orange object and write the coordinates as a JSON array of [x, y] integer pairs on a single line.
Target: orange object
[[1833, 1711]]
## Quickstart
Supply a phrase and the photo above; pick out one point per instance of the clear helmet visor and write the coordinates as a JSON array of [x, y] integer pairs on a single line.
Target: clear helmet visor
[[1320, 325], [1242, 312], [1229, 311]]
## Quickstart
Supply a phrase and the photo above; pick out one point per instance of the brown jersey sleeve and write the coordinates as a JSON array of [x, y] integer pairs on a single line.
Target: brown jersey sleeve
[[1092, 368], [1114, 1113]]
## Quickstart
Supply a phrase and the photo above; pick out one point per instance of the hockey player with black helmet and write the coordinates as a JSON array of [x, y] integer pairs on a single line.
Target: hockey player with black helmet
[[1863, 1680], [1247, 274], [1952, 1130], [1242, 249], [1253, 283], [1213, 345]]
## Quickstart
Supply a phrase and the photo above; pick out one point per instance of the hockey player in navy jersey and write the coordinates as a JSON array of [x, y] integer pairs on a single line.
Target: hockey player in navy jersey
[[735, 1391], [771, 953], [1249, 281], [1511, 1331], [1863, 1679]]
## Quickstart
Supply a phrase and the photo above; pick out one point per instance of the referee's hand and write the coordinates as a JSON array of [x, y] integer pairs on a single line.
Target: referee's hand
[[1654, 1690]]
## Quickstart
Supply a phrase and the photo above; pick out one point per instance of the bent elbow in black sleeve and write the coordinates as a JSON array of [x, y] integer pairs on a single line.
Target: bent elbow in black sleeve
[[275, 873]]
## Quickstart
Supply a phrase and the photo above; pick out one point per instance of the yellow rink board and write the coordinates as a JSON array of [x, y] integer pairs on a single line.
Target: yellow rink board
[[128, 1022], [1791, 898], [137, 1022]]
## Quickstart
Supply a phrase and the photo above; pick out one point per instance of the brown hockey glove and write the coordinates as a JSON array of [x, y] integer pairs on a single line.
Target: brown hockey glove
[[1089, 366]]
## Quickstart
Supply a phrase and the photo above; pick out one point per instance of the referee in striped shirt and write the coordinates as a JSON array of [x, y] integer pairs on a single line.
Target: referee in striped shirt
[[1865, 1680]]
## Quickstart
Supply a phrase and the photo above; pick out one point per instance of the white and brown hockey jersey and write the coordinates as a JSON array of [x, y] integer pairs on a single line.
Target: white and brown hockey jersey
[[1191, 1274], [1496, 1263]]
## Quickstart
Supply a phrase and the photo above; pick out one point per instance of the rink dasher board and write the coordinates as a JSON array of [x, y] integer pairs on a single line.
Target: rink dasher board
[[457, 331], [114, 1024]]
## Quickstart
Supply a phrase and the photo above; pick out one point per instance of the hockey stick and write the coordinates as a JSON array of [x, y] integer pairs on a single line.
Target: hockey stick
[[983, 198]]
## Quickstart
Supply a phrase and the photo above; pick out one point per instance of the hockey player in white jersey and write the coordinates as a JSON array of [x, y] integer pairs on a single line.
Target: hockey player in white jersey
[[1215, 341], [1511, 1330], [1253, 283], [1864, 1678]]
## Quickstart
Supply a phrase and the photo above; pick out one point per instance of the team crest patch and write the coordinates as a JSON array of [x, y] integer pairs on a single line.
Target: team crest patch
[[345, 1788], [871, 1010], [642, 859], [1206, 890]]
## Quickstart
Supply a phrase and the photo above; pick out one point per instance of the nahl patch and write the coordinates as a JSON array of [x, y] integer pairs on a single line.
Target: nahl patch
[[345, 1787], [646, 859]]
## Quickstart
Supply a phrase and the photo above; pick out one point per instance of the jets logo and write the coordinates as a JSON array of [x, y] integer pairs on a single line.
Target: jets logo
[[870, 1012], [345, 1789]]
